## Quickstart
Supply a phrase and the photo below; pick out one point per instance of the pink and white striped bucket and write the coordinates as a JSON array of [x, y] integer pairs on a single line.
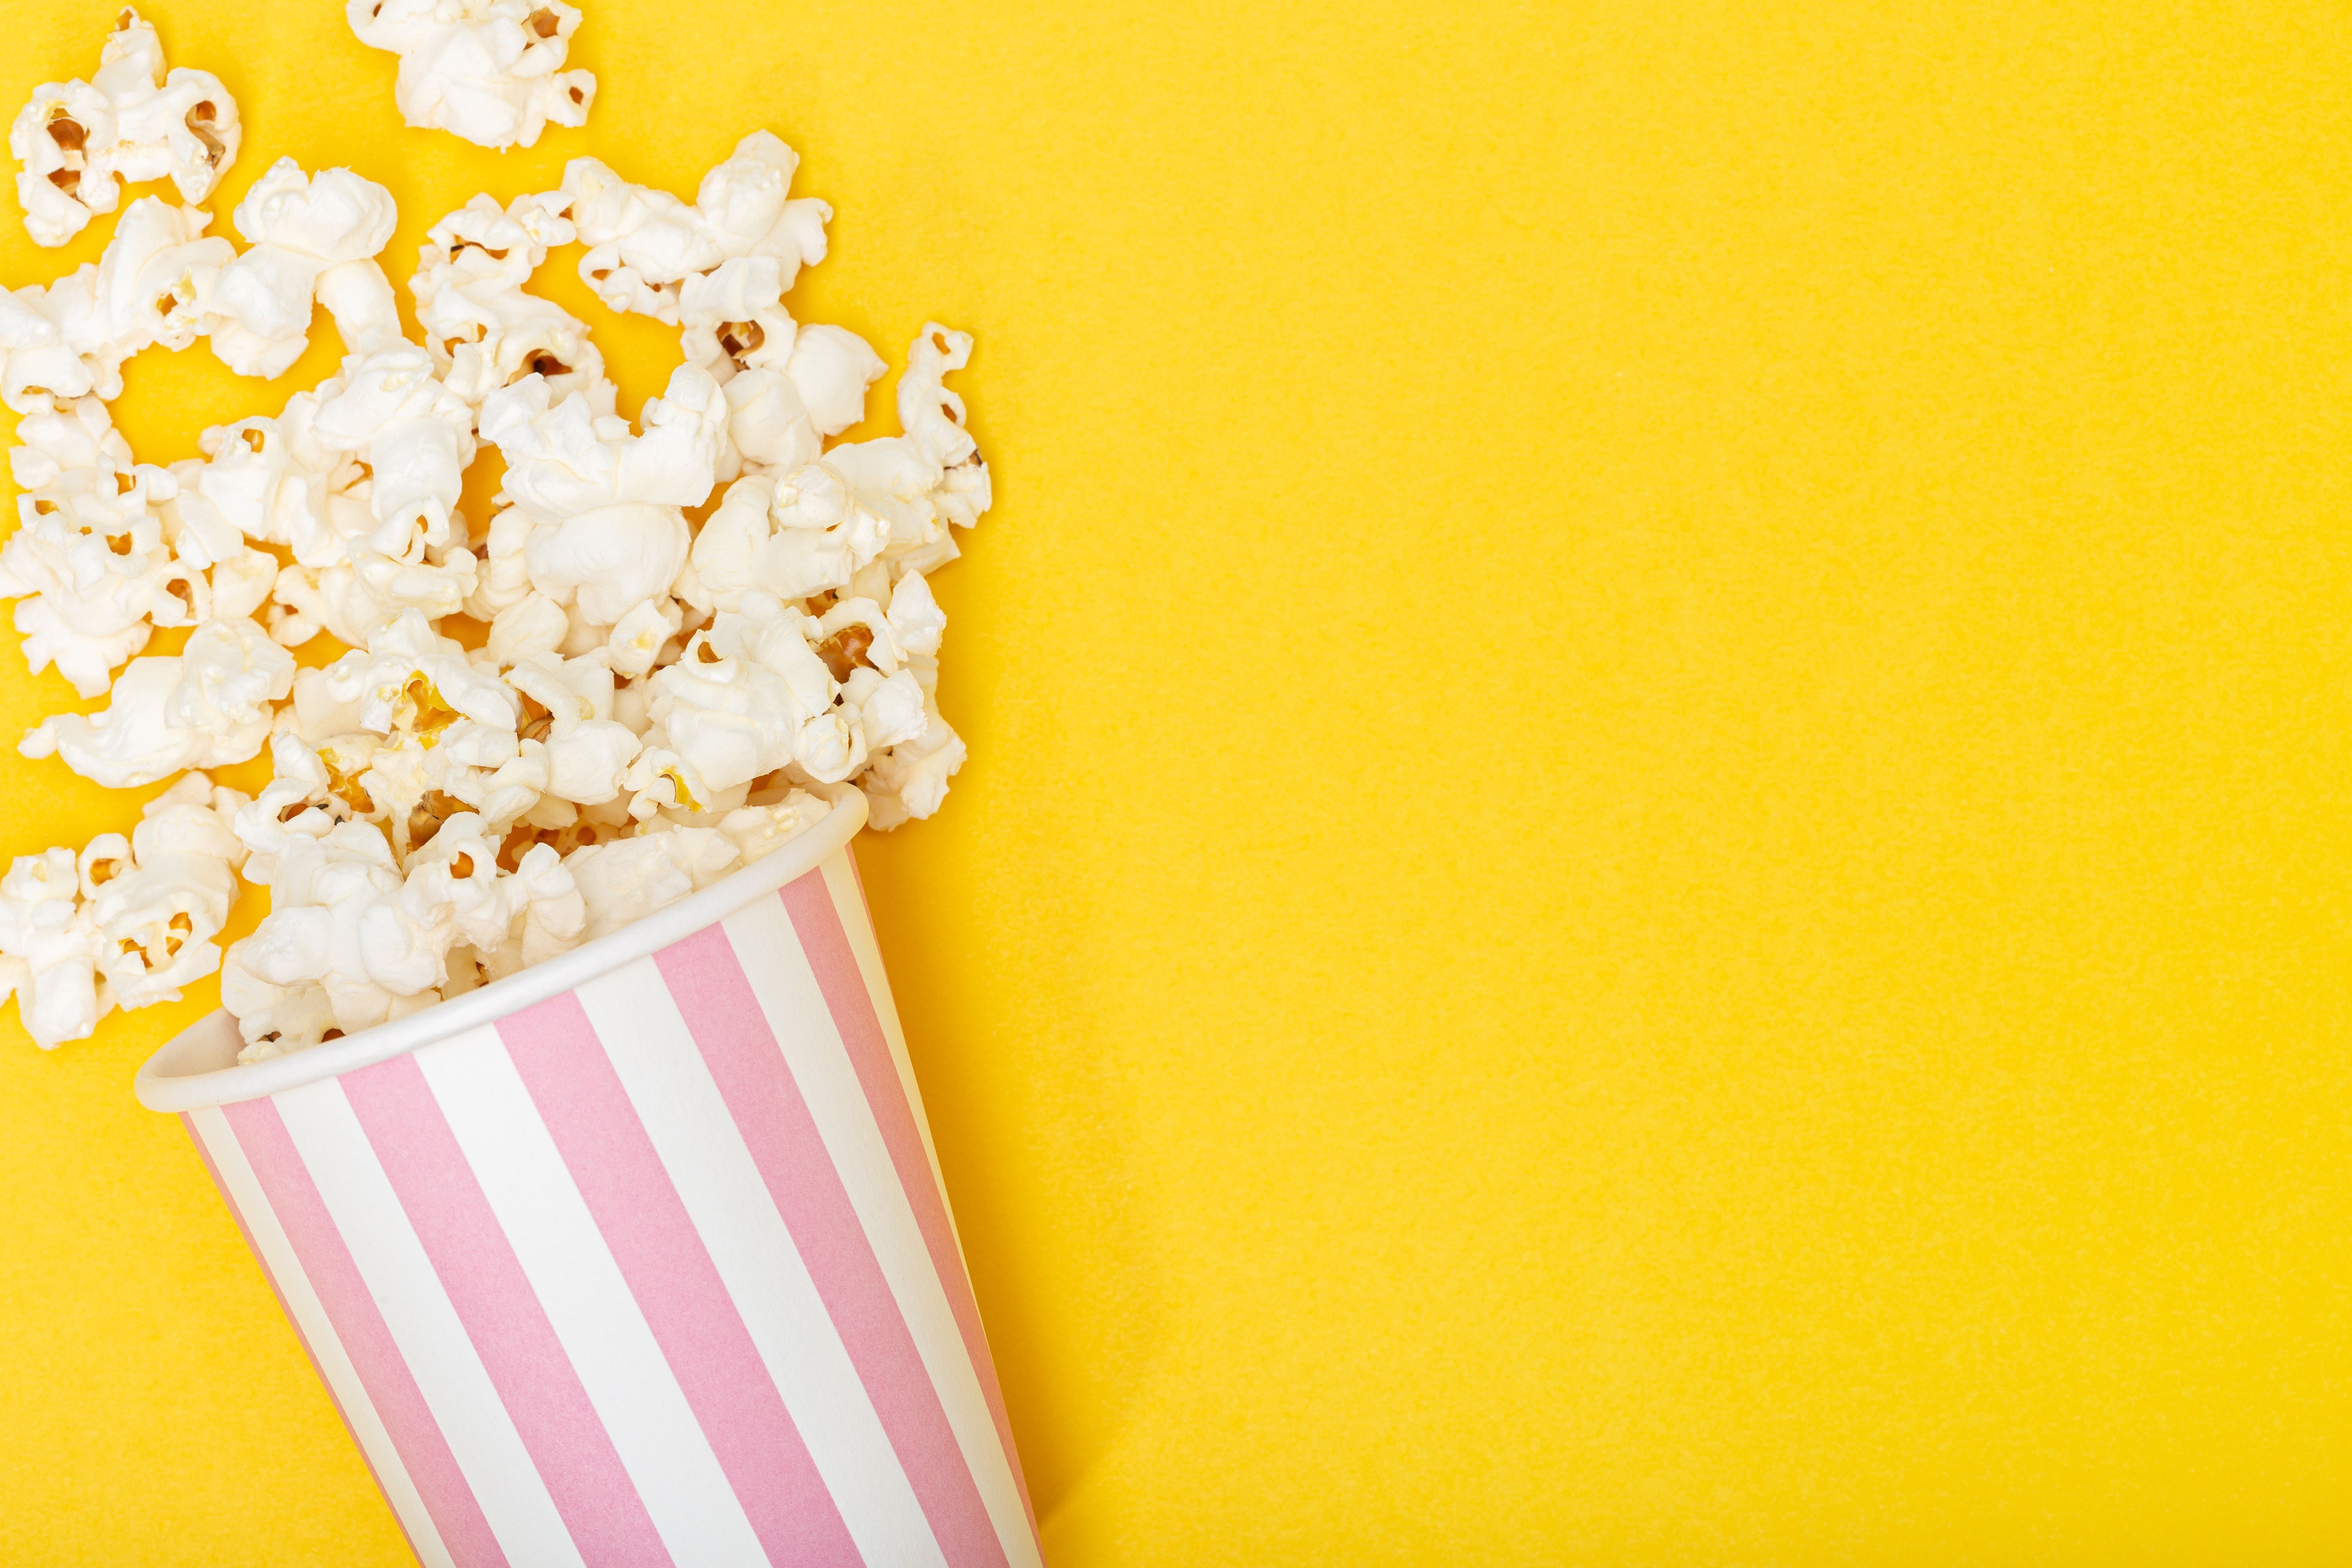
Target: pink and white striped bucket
[[638, 1256]]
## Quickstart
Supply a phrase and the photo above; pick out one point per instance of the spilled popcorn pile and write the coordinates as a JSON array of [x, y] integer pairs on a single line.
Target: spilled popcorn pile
[[543, 727]]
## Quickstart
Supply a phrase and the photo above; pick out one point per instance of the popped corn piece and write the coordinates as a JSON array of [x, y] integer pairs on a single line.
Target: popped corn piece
[[453, 884], [156, 921], [53, 443], [608, 529], [334, 926], [133, 122], [483, 329], [365, 493], [757, 831], [488, 71], [641, 241], [206, 707], [90, 565], [298, 802], [268, 480], [532, 624], [744, 206], [389, 408], [639, 636], [410, 682], [831, 367], [554, 917], [568, 711], [421, 732], [126, 923], [910, 780], [312, 237], [896, 498], [52, 347], [152, 283], [156, 279], [799, 384], [624, 879], [644, 244], [802, 537], [275, 1020], [749, 696], [49, 949]]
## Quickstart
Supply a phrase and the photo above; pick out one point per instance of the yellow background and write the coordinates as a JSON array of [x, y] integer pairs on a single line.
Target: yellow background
[[1654, 867]]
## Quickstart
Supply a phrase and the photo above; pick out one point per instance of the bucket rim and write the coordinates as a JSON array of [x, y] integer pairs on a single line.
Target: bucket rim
[[176, 1078]]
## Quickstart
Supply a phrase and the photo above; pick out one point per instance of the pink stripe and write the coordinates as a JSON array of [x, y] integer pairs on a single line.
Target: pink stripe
[[677, 1286], [854, 1016], [527, 1363], [269, 1275], [312, 1232], [707, 981]]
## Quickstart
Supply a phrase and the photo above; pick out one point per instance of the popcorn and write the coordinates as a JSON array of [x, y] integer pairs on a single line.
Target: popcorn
[[653, 703], [756, 830], [421, 732], [49, 949], [89, 566], [483, 330], [488, 71], [204, 708], [125, 924], [156, 921], [267, 479], [304, 973], [156, 276], [53, 346], [607, 532], [893, 498], [312, 237], [644, 244], [569, 709], [625, 880], [132, 122], [151, 285], [349, 941], [414, 436]]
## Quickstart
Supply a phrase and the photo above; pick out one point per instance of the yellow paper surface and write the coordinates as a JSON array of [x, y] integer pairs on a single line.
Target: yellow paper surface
[[1654, 862]]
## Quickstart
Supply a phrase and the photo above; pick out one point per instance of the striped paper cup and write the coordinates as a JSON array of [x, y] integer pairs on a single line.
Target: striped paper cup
[[637, 1256]]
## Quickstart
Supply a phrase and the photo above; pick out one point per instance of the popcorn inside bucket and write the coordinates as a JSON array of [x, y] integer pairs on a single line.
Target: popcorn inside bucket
[[547, 721]]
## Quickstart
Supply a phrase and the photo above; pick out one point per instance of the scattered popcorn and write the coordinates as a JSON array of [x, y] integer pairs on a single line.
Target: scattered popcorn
[[607, 532], [314, 237], [151, 285], [132, 122], [488, 71], [125, 924], [544, 723], [204, 708], [483, 330], [645, 244]]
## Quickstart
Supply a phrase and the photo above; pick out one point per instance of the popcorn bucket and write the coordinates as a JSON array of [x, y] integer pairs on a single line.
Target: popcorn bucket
[[640, 1256]]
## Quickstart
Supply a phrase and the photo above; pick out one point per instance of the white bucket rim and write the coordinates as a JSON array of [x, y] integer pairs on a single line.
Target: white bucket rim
[[177, 1077]]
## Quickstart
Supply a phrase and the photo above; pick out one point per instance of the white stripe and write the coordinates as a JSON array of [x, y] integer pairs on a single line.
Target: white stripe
[[587, 1301], [720, 1183], [857, 920], [426, 1326], [269, 1239], [795, 1009]]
